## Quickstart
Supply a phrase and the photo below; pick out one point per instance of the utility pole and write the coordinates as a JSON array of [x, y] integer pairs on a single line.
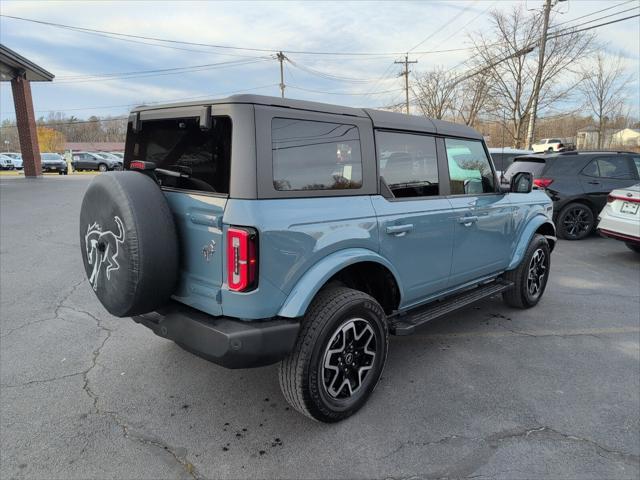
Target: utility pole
[[406, 77], [281, 58], [538, 80]]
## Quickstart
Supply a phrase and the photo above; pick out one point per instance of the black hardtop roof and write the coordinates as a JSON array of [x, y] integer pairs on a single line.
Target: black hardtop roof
[[380, 118]]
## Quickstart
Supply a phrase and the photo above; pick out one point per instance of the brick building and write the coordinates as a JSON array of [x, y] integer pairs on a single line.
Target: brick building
[[21, 72]]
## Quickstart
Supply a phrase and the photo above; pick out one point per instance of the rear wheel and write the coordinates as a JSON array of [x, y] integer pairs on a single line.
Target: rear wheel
[[531, 276], [633, 246], [575, 221], [338, 357]]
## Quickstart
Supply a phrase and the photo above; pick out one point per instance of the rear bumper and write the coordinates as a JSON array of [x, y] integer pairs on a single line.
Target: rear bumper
[[225, 341], [619, 236]]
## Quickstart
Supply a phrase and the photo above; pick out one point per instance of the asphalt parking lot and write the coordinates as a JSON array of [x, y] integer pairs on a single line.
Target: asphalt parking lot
[[487, 392]]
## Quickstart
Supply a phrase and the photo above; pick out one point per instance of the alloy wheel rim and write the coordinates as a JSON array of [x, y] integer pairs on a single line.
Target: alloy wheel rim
[[537, 272], [576, 221], [348, 358]]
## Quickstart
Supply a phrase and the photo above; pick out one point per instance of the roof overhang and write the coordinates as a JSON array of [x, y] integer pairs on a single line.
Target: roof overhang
[[13, 65]]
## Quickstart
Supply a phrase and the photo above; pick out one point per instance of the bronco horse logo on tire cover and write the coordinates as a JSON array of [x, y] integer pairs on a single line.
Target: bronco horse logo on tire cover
[[102, 247]]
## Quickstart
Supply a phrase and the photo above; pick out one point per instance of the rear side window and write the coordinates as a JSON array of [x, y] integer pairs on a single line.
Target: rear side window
[[620, 168], [186, 156], [310, 155], [408, 163], [469, 167]]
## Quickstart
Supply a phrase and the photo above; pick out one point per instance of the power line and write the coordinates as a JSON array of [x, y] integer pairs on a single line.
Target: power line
[[116, 35], [569, 31], [598, 19], [593, 13], [172, 72], [160, 70], [342, 93], [443, 26]]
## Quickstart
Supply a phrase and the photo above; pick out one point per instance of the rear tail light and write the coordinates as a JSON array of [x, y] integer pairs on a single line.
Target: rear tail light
[[560, 145], [613, 198], [542, 182], [140, 165], [242, 259]]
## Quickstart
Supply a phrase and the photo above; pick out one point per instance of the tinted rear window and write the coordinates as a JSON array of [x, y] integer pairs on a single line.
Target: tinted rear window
[[200, 159], [310, 155]]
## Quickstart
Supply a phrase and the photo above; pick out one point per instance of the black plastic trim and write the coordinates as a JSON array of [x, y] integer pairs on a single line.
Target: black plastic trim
[[228, 342]]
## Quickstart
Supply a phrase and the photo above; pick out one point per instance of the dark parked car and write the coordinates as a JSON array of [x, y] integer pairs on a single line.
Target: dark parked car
[[578, 183], [53, 162], [94, 161]]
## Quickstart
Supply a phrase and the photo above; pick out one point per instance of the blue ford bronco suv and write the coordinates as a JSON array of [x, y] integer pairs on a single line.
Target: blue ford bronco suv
[[253, 230]]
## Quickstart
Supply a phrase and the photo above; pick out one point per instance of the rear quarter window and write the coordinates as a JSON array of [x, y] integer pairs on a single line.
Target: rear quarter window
[[313, 155]]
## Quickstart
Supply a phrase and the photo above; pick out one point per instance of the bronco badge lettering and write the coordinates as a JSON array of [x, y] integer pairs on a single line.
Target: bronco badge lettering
[[102, 247]]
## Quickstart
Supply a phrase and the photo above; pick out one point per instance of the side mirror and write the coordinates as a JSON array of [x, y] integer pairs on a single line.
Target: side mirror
[[521, 182]]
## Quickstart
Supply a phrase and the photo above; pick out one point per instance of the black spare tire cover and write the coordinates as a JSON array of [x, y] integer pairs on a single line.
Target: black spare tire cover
[[129, 243]]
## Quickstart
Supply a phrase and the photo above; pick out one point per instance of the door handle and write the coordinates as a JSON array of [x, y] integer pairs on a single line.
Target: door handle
[[593, 182], [399, 230], [468, 221], [203, 219]]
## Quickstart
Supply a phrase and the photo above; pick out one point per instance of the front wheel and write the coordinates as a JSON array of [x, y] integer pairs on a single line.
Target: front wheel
[[338, 357], [102, 167], [530, 277]]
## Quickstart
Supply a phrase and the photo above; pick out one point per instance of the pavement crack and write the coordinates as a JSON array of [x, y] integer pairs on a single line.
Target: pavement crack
[[181, 459], [602, 450], [43, 380]]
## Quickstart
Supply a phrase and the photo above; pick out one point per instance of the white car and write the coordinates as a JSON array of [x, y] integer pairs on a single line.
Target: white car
[[6, 162], [620, 218], [549, 145], [17, 159]]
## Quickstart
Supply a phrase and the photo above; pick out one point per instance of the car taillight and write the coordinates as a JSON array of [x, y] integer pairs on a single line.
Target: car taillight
[[242, 259], [137, 165], [613, 198], [542, 182]]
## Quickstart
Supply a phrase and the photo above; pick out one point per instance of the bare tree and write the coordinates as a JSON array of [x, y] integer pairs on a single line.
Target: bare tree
[[473, 98], [512, 38], [435, 93], [603, 87]]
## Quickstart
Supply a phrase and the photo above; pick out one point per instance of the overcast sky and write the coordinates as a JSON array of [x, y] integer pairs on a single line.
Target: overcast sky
[[320, 26]]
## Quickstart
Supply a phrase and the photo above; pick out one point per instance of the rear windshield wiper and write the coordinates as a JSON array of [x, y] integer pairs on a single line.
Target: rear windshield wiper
[[180, 171]]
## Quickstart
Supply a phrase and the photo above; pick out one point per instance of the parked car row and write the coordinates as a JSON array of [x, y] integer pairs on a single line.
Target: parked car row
[[53, 162], [579, 183], [100, 161]]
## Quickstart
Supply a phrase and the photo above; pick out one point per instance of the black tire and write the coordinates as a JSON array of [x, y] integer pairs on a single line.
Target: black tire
[[633, 247], [129, 243], [522, 294], [102, 167], [575, 221], [302, 374]]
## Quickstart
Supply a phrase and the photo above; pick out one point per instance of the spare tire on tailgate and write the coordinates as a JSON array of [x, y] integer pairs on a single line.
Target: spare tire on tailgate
[[129, 243]]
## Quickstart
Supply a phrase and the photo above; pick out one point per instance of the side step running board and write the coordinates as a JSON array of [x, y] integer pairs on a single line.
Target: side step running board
[[406, 324]]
